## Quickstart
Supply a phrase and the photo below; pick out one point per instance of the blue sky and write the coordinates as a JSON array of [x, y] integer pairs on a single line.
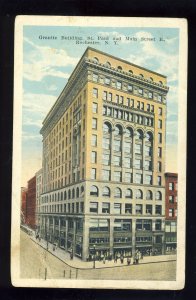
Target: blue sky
[[48, 63]]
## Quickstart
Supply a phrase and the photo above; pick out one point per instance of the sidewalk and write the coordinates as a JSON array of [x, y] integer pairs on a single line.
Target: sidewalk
[[79, 264]]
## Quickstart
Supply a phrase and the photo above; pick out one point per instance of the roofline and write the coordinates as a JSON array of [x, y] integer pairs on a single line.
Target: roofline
[[125, 61]]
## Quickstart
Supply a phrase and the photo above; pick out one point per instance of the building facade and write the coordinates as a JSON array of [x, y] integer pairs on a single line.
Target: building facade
[[38, 176], [104, 160], [171, 200], [23, 205], [31, 202]]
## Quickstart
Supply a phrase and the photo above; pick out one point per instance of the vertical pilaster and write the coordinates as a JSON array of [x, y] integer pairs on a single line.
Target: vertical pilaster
[[85, 245], [74, 237], [133, 236], [66, 233], [112, 236]]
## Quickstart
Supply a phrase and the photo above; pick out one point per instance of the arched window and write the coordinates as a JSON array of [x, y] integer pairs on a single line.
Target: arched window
[[95, 60], [151, 79], [108, 64], [117, 193], [130, 71], [141, 75], [139, 134], [149, 195], [118, 130], [73, 194], [94, 191], [119, 68], [149, 136], [129, 193], [139, 194], [158, 195], [77, 192], [160, 82], [65, 195], [69, 194], [106, 191], [106, 127], [128, 132]]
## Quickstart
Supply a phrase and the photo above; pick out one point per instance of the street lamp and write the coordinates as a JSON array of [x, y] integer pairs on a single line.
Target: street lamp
[[94, 257]]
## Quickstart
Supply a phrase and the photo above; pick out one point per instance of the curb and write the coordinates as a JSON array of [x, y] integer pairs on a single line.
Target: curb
[[108, 267]]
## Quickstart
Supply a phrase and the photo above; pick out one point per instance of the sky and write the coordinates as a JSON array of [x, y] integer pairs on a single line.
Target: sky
[[48, 63]]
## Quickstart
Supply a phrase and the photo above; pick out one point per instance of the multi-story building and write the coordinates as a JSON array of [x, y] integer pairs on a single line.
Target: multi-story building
[[38, 176], [23, 205], [31, 203], [104, 159], [171, 187]]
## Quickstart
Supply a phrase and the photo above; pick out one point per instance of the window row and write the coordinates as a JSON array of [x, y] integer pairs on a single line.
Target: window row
[[117, 193], [124, 115], [60, 196], [124, 225], [127, 207], [63, 208]]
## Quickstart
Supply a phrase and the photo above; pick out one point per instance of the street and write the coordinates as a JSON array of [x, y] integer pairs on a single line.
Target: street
[[36, 262]]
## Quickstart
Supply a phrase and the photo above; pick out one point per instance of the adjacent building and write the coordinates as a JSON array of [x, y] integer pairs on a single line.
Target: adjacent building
[[31, 203], [171, 200], [38, 176], [104, 160], [23, 213]]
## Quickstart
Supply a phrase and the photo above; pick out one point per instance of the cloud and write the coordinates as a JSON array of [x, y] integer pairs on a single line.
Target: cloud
[[52, 87], [38, 103], [42, 61]]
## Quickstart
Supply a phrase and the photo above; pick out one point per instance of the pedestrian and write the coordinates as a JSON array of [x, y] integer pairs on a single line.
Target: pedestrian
[[104, 259], [71, 255], [54, 247], [128, 261], [115, 258], [142, 256], [121, 259], [137, 258], [134, 259]]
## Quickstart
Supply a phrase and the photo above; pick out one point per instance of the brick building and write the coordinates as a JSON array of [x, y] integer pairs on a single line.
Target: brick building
[[31, 202], [171, 181]]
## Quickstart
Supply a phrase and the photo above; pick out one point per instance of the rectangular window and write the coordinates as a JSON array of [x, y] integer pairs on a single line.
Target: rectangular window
[[159, 180], [171, 186], [95, 77], [93, 173], [171, 212], [95, 93], [148, 107], [94, 207], [104, 95], [94, 140], [148, 165], [159, 98], [159, 152], [109, 96], [148, 179], [116, 160], [128, 177], [159, 166], [117, 98], [149, 209], [130, 88], [138, 178], [117, 176], [160, 111], [94, 123], [117, 208], [93, 157], [148, 151], [119, 85], [150, 96], [128, 208], [158, 209], [138, 104], [140, 91], [121, 100], [142, 106], [109, 111], [160, 138], [152, 108], [106, 159], [159, 124], [106, 143], [107, 80], [158, 225], [95, 107], [105, 208], [171, 199], [106, 175], [138, 209]]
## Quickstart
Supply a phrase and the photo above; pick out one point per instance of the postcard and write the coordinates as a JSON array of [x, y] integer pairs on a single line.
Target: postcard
[[99, 152]]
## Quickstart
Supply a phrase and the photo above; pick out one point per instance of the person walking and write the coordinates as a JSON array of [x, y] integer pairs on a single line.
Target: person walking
[[104, 260], [128, 261], [121, 259]]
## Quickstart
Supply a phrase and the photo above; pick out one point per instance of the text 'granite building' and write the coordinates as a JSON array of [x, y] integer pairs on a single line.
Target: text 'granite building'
[[104, 160]]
